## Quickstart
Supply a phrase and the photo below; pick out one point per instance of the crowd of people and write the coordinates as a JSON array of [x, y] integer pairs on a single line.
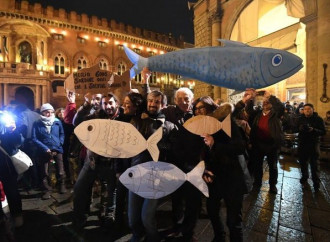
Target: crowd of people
[[233, 165]]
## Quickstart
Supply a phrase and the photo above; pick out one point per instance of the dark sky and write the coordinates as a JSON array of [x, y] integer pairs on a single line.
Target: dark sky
[[163, 16]]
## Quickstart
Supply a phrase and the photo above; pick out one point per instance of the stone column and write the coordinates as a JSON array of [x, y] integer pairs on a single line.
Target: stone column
[[11, 50], [218, 92], [1, 96], [311, 57], [37, 97], [44, 93], [323, 49], [5, 94]]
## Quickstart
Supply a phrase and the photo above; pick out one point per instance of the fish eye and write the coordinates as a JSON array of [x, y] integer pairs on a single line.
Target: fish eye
[[130, 174], [277, 60], [90, 128]]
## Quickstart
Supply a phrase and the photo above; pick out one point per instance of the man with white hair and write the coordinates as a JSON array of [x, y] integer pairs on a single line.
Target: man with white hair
[[178, 114], [182, 110]]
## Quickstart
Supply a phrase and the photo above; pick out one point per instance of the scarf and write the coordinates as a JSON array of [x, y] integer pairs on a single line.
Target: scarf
[[48, 121]]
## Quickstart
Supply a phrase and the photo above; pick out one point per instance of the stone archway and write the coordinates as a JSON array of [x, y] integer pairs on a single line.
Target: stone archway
[[25, 95]]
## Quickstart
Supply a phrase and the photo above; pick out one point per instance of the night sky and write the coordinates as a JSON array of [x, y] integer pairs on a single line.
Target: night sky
[[163, 16]]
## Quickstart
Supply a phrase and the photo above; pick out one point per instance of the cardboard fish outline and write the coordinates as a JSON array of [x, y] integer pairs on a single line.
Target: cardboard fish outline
[[116, 139], [154, 180], [202, 124], [235, 66]]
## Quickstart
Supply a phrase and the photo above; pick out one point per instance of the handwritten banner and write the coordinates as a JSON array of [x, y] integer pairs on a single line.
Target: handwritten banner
[[94, 80]]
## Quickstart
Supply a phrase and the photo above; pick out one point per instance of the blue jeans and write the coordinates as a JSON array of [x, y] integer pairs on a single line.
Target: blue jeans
[[142, 217]]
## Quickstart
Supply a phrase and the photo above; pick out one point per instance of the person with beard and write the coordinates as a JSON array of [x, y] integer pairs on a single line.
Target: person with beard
[[96, 166], [91, 105], [310, 127], [142, 211], [48, 135]]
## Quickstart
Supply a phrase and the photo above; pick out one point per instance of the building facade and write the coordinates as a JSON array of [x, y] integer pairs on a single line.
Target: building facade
[[40, 47], [306, 34]]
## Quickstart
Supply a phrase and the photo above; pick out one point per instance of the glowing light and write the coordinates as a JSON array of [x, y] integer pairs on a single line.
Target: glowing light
[[75, 69], [141, 48], [86, 37], [97, 38], [148, 49], [66, 69], [41, 73], [133, 46], [158, 80], [116, 42], [106, 41], [156, 51], [1, 58], [53, 31], [125, 44], [161, 52], [64, 32], [45, 62], [51, 68]]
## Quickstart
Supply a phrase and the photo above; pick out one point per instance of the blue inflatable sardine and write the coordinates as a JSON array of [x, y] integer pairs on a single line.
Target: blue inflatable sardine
[[235, 66]]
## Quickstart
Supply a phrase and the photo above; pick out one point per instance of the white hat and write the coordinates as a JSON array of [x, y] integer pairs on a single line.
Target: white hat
[[45, 107]]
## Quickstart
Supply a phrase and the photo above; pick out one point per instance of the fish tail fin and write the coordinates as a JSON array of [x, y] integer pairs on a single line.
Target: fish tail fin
[[195, 177], [152, 143], [226, 125], [138, 61]]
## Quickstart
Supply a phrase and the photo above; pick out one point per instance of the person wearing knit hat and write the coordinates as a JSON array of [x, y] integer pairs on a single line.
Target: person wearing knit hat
[[48, 135], [46, 107]]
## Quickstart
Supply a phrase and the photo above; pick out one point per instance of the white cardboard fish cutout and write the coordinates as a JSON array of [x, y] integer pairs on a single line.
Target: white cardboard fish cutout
[[154, 180], [111, 138], [202, 124]]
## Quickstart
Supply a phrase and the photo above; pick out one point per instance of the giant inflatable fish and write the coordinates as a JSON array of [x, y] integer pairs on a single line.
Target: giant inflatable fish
[[154, 180], [235, 66], [111, 138]]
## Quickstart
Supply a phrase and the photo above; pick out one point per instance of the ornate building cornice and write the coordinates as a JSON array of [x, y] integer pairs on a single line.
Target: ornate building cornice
[[87, 29]]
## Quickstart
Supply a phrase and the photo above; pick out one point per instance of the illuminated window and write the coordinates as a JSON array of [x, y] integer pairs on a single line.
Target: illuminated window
[[81, 40], [59, 67], [58, 36], [102, 44], [153, 79], [82, 63], [25, 52], [138, 78], [121, 68], [103, 64], [137, 50]]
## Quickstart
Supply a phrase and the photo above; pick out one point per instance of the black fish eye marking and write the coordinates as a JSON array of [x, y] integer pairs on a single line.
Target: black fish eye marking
[[90, 127], [277, 60], [130, 174]]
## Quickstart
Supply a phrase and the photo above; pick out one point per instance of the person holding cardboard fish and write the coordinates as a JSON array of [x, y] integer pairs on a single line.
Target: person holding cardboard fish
[[227, 176], [95, 166], [141, 211]]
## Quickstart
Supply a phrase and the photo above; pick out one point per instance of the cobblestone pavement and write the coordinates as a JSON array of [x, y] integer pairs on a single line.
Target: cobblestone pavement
[[294, 214]]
